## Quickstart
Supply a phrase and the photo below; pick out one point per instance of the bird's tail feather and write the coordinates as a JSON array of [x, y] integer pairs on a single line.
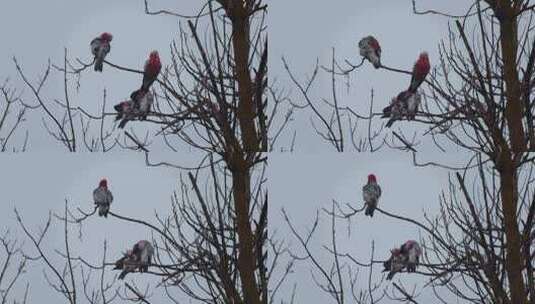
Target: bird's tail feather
[[123, 274], [123, 123], [98, 65], [387, 111], [369, 210]]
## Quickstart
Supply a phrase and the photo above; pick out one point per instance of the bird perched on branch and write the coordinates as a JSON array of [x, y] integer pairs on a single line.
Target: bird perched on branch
[[127, 264], [103, 198], [419, 72], [370, 49], [142, 102], [405, 104], [411, 251], [371, 193], [394, 264], [125, 111], [100, 47], [138, 258], [143, 251], [151, 70]]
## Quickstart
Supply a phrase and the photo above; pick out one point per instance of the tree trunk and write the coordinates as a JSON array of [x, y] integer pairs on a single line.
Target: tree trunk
[[509, 46], [514, 258], [246, 260], [240, 43]]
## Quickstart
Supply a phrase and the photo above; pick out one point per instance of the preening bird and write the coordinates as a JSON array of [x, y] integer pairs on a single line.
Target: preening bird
[[143, 251], [142, 102], [371, 193], [100, 47], [405, 104], [394, 264], [127, 264], [125, 111], [103, 198], [151, 70], [413, 102], [370, 49], [419, 72], [138, 258], [411, 251]]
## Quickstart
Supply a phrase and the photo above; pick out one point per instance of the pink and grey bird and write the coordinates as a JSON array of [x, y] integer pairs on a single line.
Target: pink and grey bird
[[127, 264], [138, 258], [371, 192], [151, 70], [394, 264], [125, 112], [419, 72], [143, 101], [143, 251], [103, 198], [100, 47], [370, 49], [411, 251], [405, 104]]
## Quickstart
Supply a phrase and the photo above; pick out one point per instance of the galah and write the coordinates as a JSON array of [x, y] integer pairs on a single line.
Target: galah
[[370, 49], [127, 264], [371, 193], [125, 111], [411, 251], [394, 264], [405, 104], [100, 47], [142, 102], [143, 251], [151, 70], [413, 102], [103, 198], [419, 71]]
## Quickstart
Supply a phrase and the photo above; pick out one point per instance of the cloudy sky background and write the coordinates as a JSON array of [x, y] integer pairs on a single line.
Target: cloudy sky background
[[35, 31], [304, 183], [300, 30], [304, 31], [37, 187]]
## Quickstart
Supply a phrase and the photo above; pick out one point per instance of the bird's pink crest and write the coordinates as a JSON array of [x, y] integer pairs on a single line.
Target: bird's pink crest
[[154, 60], [106, 36], [375, 44], [103, 183], [371, 178], [422, 65], [410, 243]]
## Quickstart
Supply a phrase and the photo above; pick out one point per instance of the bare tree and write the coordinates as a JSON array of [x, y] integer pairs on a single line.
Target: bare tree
[[479, 97], [197, 250], [464, 244], [211, 98]]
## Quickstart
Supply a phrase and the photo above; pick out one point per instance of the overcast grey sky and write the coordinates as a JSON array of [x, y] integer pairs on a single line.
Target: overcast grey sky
[[36, 187], [300, 30], [35, 31], [303, 31], [304, 183]]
